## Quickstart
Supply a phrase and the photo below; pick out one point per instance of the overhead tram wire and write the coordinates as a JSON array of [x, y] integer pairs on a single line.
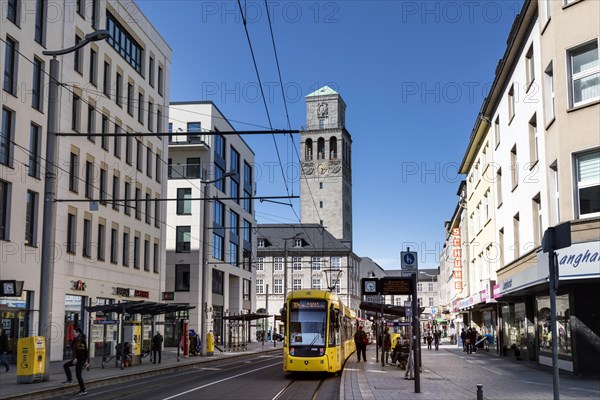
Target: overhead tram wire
[[264, 98]]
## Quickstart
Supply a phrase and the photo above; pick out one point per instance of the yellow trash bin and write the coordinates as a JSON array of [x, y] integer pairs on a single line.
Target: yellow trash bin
[[210, 344], [31, 359]]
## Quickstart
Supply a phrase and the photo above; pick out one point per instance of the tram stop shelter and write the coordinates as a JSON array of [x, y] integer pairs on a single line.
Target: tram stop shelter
[[129, 330], [237, 330]]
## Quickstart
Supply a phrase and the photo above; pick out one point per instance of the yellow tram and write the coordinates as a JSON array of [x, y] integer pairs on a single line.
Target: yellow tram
[[319, 332]]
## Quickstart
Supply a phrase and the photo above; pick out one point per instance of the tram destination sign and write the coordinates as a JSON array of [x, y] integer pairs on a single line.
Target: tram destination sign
[[396, 286]]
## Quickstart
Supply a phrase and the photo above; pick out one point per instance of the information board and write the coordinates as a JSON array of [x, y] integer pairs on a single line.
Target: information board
[[396, 286]]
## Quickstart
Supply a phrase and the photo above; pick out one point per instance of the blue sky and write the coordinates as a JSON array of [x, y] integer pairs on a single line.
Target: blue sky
[[412, 73]]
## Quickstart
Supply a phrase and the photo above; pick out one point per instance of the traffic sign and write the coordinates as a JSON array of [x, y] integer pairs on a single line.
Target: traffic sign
[[408, 312], [433, 311], [408, 260]]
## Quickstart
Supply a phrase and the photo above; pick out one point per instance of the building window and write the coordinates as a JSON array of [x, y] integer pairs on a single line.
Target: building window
[[12, 11], [128, 150], [74, 173], [89, 180], [530, 68], [549, 93], [148, 162], [148, 207], [499, 187], [10, 67], [183, 239], [511, 103], [419, 287], [182, 277], [156, 255], [247, 231], [37, 86], [277, 263], [71, 233], [103, 192], [516, 236], [93, 67], [91, 123], [588, 184], [218, 250], [151, 72], [431, 302], [7, 136], [545, 12], [533, 141], [514, 166], [233, 254], [316, 284], [219, 181], [4, 209], [336, 262], [260, 264], [497, 131], [124, 43], [130, 95], [316, 263], [157, 207], [160, 80], [40, 21], [260, 243], [584, 71], [139, 163], [296, 284], [114, 246], [430, 286], [78, 56], [76, 113], [298, 242], [158, 173], [278, 286], [159, 122], [105, 139], [115, 192], [87, 238], [218, 214], [136, 252], [34, 150], [31, 218], [126, 195], [184, 202], [106, 80], [101, 241], [150, 116], [218, 282], [146, 255], [126, 249], [138, 205], [260, 286], [297, 263], [141, 108], [537, 220], [119, 90], [564, 319]]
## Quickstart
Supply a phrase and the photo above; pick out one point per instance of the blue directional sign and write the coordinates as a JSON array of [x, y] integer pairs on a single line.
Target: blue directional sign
[[408, 260]]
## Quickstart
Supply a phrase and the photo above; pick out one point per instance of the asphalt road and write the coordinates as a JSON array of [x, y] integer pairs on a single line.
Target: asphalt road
[[255, 378]]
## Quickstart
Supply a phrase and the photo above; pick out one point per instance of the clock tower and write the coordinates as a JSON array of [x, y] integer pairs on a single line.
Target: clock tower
[[326, 173]]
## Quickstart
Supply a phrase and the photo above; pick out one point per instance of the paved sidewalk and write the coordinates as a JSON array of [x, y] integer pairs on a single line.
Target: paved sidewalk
[[98, 376], [452, 374]]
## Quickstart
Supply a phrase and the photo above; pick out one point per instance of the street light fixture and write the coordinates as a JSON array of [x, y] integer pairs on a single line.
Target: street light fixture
[[50, 187], [204, 293]]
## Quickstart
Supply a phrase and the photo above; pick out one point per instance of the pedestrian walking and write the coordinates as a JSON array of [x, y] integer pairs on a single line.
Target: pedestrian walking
[[436, 339], [361, 340], [473, 340], [387, 345], [429, 340], [79, 357], [463, 339], [3, 349], [157, 342], [468, 340]]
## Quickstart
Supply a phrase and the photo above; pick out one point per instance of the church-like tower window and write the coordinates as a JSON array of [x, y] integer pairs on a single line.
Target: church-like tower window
[[308, 150], [332, 148], [320, 149]]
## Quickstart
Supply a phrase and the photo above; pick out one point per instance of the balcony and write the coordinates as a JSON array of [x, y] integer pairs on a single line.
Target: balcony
[[185, 138], [187, 171]]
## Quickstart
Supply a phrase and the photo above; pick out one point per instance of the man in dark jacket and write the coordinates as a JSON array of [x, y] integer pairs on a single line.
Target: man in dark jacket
[[157, 342], [79, 359], [360, 340], [3, 349]]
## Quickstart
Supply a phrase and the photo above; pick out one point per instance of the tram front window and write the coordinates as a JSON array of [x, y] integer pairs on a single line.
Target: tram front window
[[307, 327]]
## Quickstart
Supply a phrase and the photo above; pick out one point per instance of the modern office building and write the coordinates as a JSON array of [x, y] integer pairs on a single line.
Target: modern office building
[[109, 236], [210, 228]]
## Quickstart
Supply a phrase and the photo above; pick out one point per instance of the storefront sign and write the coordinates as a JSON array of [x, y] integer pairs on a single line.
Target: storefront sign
[[124, 292], [168, 296], [141, 293], [470, 301], [457, 254], [105, 322]]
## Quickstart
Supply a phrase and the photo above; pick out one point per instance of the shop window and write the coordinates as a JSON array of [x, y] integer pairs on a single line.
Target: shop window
[[563, 326]]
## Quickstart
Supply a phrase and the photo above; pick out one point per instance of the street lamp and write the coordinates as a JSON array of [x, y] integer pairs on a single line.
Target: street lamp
[[50, 187], [204, 292]]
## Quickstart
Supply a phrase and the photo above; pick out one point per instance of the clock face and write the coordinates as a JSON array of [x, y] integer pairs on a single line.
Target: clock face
[[370, 286]]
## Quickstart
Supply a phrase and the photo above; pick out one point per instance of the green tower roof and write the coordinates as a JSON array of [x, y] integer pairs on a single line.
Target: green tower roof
[[324, 91]]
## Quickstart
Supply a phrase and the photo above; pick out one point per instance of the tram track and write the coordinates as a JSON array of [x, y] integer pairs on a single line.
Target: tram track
[[311, 387]]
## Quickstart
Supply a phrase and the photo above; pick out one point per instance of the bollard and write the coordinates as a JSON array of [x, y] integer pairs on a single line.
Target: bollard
[[479, 391]]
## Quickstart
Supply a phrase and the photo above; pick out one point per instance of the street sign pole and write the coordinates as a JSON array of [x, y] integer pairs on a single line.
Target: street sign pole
[[416, 334]]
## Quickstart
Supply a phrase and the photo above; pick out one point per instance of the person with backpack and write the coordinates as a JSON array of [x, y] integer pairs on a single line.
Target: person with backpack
[[361, 340]]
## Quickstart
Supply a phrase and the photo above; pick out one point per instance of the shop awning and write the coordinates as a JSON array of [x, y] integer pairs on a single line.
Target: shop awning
[[246, 317]]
